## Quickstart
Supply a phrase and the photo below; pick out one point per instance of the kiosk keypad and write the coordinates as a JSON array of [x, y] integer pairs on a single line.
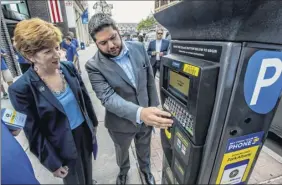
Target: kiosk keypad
[[181, 115]]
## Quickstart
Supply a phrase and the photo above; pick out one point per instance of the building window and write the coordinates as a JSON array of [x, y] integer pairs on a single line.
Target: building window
[[157, 4], [164, 2], [23, 9], [20, 8]]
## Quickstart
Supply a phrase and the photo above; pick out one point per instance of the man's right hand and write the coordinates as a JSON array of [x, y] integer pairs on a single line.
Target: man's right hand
[[154, 53], [62, 172], [153, 116]]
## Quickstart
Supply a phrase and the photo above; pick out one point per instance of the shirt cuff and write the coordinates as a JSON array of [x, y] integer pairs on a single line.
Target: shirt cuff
[[138, 114]]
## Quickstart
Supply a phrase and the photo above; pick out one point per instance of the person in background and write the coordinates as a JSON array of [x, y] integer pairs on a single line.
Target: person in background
[[6, 74], [61, 123], [71, 53], [128, 38], [24, 65], [156, 49], [74, 41], [16, 167], [168, 37], [122, 78], [140, 38]]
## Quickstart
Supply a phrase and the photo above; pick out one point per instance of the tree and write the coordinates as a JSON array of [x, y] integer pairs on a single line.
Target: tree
[[147, 23]]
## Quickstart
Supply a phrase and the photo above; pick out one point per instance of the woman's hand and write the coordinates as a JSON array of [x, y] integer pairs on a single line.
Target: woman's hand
[[62, 172]]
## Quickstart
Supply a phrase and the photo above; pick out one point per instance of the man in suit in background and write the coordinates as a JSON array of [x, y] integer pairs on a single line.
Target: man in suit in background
[[156, 49], [122, 78]]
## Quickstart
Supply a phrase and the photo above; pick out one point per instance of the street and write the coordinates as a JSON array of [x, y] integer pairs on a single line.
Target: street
[[268, 168]]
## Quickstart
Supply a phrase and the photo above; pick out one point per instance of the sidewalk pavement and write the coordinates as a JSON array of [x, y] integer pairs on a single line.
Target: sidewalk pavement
[[105, 169], [268, 169]]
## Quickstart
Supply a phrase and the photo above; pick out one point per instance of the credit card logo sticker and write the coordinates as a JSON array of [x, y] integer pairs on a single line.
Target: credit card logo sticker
[[263, 81]]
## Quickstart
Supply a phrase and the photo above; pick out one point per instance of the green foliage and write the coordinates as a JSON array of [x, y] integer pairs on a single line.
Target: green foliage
[[147, 23]]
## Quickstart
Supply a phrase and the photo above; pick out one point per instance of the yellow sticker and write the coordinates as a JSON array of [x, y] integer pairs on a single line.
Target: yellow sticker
[[238, 160], [192, 70], [13, 117], [168, 134]]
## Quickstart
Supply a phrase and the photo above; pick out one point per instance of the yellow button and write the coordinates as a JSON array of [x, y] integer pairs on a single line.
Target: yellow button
[[168, 134]]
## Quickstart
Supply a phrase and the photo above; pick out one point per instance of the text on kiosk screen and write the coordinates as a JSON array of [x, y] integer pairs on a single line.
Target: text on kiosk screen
[[179, 82]]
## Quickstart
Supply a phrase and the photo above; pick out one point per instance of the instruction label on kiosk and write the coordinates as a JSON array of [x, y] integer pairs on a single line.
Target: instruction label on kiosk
[[238, 158]]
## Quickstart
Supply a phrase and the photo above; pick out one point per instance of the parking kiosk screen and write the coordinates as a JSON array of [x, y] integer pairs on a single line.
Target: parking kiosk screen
[[179, 82]]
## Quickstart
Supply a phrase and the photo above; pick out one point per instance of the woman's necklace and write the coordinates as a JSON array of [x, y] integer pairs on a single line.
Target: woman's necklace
[[63, 83]]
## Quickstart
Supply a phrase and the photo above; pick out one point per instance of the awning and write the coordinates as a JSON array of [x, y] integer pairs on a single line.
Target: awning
[[11, 2]]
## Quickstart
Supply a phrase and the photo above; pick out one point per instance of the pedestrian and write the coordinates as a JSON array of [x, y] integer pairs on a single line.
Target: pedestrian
[[61, 122], [140, 38], [16, 168], [121, 76], [24, 65], [6, 74], [128, 38], [74, 40], [156, 49], [71, 53]]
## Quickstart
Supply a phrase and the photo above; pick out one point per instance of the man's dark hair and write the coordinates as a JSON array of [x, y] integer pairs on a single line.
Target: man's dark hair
[[68, 38], [98, 22]]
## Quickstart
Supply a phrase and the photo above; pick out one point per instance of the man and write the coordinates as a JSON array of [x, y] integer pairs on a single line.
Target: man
[[156, 49], [128, 38], [15, 165], [74, 41], [121, 76], [6, 74], [71, 53]]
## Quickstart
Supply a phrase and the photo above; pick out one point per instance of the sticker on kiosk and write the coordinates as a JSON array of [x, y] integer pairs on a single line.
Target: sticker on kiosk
[[238, 158]]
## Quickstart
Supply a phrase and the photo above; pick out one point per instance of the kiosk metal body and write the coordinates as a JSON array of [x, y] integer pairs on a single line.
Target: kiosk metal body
[[222, 83]]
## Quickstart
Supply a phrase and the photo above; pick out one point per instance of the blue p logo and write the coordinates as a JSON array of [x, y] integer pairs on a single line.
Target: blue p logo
[[263, 81]]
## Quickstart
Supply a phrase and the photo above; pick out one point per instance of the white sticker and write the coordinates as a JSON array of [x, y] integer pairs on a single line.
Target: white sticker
[[183, 150], [233, 175], [14, 118]]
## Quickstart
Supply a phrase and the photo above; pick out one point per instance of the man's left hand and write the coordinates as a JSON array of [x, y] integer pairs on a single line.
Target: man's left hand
[[161, 54]]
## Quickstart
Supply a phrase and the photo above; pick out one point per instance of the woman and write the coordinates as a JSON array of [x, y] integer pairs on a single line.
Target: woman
[[61, 123]]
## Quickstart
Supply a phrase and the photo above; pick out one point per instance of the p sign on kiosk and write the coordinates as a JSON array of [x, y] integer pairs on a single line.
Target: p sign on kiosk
[[263, 81]]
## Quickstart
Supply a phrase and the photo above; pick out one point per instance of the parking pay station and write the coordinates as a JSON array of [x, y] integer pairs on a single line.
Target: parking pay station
[[221, 82]]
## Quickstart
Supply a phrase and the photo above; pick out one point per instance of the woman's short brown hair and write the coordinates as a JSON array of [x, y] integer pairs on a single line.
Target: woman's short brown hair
[[33, 35]]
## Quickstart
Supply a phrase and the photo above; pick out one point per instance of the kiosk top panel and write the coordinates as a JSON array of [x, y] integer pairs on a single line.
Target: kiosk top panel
[[221, 20]]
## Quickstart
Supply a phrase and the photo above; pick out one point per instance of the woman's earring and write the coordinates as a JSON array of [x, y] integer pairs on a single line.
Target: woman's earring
[[35, 69]]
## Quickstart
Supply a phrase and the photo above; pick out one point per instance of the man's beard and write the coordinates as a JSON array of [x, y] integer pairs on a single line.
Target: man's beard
[[109, 55]]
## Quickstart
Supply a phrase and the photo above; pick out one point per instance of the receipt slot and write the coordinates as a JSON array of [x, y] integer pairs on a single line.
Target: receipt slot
[[222, 83]]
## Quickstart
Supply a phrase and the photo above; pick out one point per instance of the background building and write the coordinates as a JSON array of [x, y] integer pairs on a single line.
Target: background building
[[162, 4], [11, 13], [127, 28], [102, 6], [74, 10], [65, 14]]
